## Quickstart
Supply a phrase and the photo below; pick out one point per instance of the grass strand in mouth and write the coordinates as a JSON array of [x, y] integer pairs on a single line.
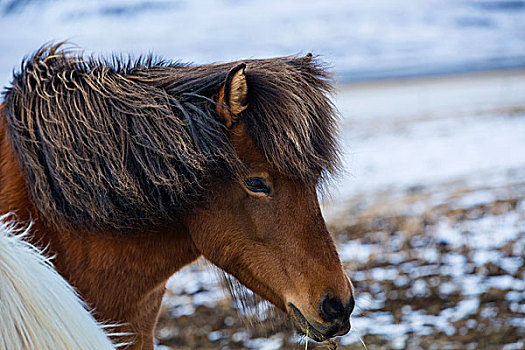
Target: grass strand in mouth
[[362, 342], [360, 339], [306, 340]]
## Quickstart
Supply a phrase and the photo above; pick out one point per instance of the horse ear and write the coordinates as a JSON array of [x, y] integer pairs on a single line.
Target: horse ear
[[233, 96]]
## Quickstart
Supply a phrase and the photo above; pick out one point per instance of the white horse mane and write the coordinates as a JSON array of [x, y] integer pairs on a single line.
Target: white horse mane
[[38, 309]]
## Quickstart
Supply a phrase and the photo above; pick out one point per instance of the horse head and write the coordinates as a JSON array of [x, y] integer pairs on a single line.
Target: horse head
[[266, 229]]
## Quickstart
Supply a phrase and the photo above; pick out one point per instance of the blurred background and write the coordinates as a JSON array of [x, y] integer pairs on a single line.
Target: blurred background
[[429, 212]]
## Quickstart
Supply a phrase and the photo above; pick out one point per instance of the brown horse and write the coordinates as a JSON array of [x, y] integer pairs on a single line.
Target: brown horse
[[131, 171]]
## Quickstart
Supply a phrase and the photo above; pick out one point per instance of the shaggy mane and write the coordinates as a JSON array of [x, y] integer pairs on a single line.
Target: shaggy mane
[[115, 144]]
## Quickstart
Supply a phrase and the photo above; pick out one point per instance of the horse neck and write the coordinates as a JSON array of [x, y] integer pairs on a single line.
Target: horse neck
[[170, 243], [13, 192]]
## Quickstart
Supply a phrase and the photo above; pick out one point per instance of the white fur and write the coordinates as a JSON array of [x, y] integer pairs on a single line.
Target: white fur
[[38, 309]]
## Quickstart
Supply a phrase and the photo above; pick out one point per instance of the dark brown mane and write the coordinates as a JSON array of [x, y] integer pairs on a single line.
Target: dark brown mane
[[114, 145]]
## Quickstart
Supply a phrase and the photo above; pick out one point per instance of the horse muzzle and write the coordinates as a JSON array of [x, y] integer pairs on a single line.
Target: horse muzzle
[[332, 311]]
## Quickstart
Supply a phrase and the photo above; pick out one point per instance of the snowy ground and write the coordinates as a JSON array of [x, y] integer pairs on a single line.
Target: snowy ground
[[429, 218]]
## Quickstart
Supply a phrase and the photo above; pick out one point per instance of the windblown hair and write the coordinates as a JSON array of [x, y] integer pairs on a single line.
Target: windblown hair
[[108, 144], [39, 309]]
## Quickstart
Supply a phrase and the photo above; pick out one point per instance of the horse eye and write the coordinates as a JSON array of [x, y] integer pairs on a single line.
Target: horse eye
[[257, 185]]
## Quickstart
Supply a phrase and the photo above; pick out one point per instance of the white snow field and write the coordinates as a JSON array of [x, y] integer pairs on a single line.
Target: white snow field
[[361, 39], [419, 132]]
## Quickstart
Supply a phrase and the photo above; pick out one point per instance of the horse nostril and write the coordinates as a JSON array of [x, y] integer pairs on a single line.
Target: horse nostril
[[331, 309]]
